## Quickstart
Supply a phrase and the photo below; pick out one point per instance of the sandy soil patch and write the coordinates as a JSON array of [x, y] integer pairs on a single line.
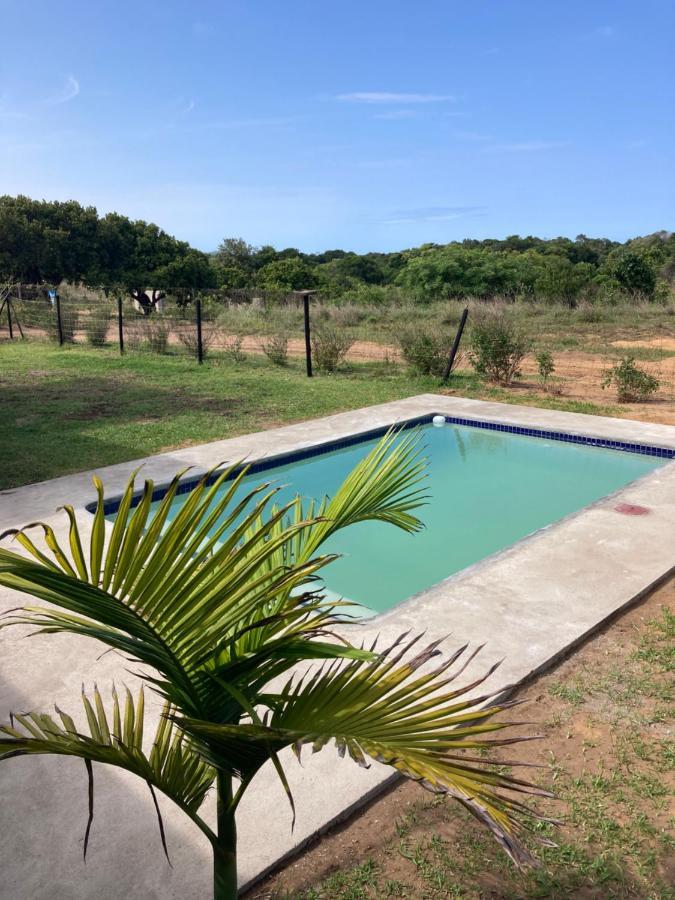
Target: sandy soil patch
[[658, 343]]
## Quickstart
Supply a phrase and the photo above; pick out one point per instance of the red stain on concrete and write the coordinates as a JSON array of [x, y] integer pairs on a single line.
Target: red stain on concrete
[[632, 509]]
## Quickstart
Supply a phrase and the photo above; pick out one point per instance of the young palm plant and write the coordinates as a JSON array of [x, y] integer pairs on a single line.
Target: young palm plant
[[219, 606]]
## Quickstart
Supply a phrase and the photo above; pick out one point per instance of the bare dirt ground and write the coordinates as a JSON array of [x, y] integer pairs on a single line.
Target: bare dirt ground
[[579, 375], [604, 719], [660, 343]]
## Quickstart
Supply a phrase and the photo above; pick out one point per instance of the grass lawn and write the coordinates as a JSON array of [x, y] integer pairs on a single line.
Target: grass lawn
[[67, 410], [606, 720]]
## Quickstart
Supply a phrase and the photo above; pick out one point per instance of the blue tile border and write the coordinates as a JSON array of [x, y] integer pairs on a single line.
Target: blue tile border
[[604, 443], [284, 459], [274, 462]]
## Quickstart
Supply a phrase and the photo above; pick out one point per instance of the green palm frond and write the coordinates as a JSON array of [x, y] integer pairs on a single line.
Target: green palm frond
[[172, 766], [220, 602], [188, 596], [385, 710]]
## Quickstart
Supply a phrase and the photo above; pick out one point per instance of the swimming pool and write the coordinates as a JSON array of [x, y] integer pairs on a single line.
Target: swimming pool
[[488, 488]]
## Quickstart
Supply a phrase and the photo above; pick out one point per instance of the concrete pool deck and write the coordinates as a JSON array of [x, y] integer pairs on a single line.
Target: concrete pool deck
[[531, 602]]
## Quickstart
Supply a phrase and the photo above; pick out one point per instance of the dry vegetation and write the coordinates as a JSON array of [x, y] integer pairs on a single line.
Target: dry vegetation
[[584, 342]]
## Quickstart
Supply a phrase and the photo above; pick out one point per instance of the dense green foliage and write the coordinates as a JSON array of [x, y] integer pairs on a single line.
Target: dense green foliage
[[554, 270], [49, 242], [633, 384], [498, 347]]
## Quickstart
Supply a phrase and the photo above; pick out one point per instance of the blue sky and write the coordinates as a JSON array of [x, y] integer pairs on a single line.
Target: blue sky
[[365, 125]]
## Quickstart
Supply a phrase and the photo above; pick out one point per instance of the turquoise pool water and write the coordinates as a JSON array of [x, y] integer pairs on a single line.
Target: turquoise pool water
[[487, 490]]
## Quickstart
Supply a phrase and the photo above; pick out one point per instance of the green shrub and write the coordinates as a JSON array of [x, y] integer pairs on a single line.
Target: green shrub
[[545, 365], [498, 347], [275, 348], [633, 384], [329, 347], [96, 325], [187, 335], [663, 292], [156, 331], [232, 347], [424, 350]]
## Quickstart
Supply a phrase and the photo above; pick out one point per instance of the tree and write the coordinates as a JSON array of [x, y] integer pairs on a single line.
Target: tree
[[236, 252], [43, 241], [561, 280], [632, 271], [291, 274], [455, 271], [217, 605], [184, 274], [233, 277]]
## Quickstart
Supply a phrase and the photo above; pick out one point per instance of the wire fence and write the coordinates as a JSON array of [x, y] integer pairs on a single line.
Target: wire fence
[[281, 328], [308, 330]]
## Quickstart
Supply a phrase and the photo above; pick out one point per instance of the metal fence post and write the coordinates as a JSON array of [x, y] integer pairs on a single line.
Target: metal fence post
[[59, 324], [455, 345], [120, 324], [308, 337], [200, 344]]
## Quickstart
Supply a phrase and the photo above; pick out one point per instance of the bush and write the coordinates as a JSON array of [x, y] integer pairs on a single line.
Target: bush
[[424, 350], [633, 384], [275, 348], [156, 330], [232, 347], [663, 292], [329, 347], [96, 325], [187, 335], [498, 347], [545, 365]]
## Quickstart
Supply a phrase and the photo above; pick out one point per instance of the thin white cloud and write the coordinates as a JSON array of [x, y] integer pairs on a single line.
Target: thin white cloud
[[69, 91], [433, 214], [391, 97], [186, 106]]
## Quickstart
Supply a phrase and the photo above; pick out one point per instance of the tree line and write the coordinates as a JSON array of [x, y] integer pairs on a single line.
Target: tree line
[[48, 242]]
